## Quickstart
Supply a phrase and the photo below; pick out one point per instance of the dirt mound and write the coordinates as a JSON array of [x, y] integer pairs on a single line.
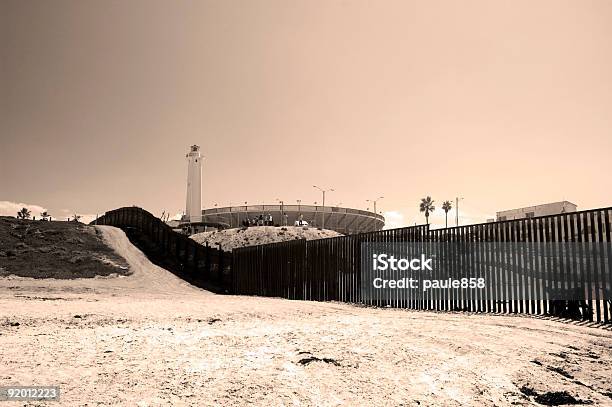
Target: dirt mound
[[62, 250], [256, 235]]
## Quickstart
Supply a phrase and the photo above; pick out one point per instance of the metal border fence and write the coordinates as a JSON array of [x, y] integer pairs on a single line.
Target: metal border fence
[[330, 269], [203, 266]]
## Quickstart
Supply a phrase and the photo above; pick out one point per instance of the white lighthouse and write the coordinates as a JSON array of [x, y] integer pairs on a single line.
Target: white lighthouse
[[193, 209]]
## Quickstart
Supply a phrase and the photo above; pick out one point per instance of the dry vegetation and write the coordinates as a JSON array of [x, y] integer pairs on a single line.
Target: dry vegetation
[[64, 250], [255, 235]]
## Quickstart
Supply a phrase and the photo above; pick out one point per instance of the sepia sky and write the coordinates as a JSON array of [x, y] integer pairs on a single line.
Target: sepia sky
[[506, 103]]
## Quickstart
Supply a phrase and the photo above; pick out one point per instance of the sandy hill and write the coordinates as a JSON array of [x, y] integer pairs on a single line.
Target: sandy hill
[[256, 235], [63, 250]]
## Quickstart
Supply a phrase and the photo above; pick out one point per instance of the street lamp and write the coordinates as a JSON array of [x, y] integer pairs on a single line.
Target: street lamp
[[323, 205], [457, 199], [374, 202], [246, 210], [282, 208]]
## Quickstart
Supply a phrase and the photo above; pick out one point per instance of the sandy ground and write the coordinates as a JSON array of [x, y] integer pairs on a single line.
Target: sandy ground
[[255, 235], [151, 339]]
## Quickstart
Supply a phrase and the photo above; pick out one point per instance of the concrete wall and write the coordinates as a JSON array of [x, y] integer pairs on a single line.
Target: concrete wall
[[342, 220]]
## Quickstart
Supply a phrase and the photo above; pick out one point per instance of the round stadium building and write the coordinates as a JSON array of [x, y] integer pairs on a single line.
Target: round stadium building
[[342, 220]]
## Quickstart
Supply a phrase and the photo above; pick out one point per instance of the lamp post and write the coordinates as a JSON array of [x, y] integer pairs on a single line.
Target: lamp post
[[217, 213], [282, 209], [457, 199], [323, 204], [374, 202], [230, 214]]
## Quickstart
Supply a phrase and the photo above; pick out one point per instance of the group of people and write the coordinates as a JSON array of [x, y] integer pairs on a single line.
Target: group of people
[[268, 220], [261, 220]]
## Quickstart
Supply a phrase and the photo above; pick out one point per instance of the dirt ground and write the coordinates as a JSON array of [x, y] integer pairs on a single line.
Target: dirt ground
[[150, 339]]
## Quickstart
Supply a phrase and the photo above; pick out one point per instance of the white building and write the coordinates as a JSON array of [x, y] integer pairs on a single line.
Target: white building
[[553, 208], [193, 210]]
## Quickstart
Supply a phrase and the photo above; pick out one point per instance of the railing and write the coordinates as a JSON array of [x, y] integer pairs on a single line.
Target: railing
[[203, 266]]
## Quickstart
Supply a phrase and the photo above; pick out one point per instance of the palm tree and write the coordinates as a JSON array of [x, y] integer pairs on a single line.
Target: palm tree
[[427, 206], [446, 206], [45, 215], [24, 213], [76, 218]]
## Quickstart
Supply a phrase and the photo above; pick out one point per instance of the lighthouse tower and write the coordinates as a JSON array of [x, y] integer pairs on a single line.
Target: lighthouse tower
[[193, 209]]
